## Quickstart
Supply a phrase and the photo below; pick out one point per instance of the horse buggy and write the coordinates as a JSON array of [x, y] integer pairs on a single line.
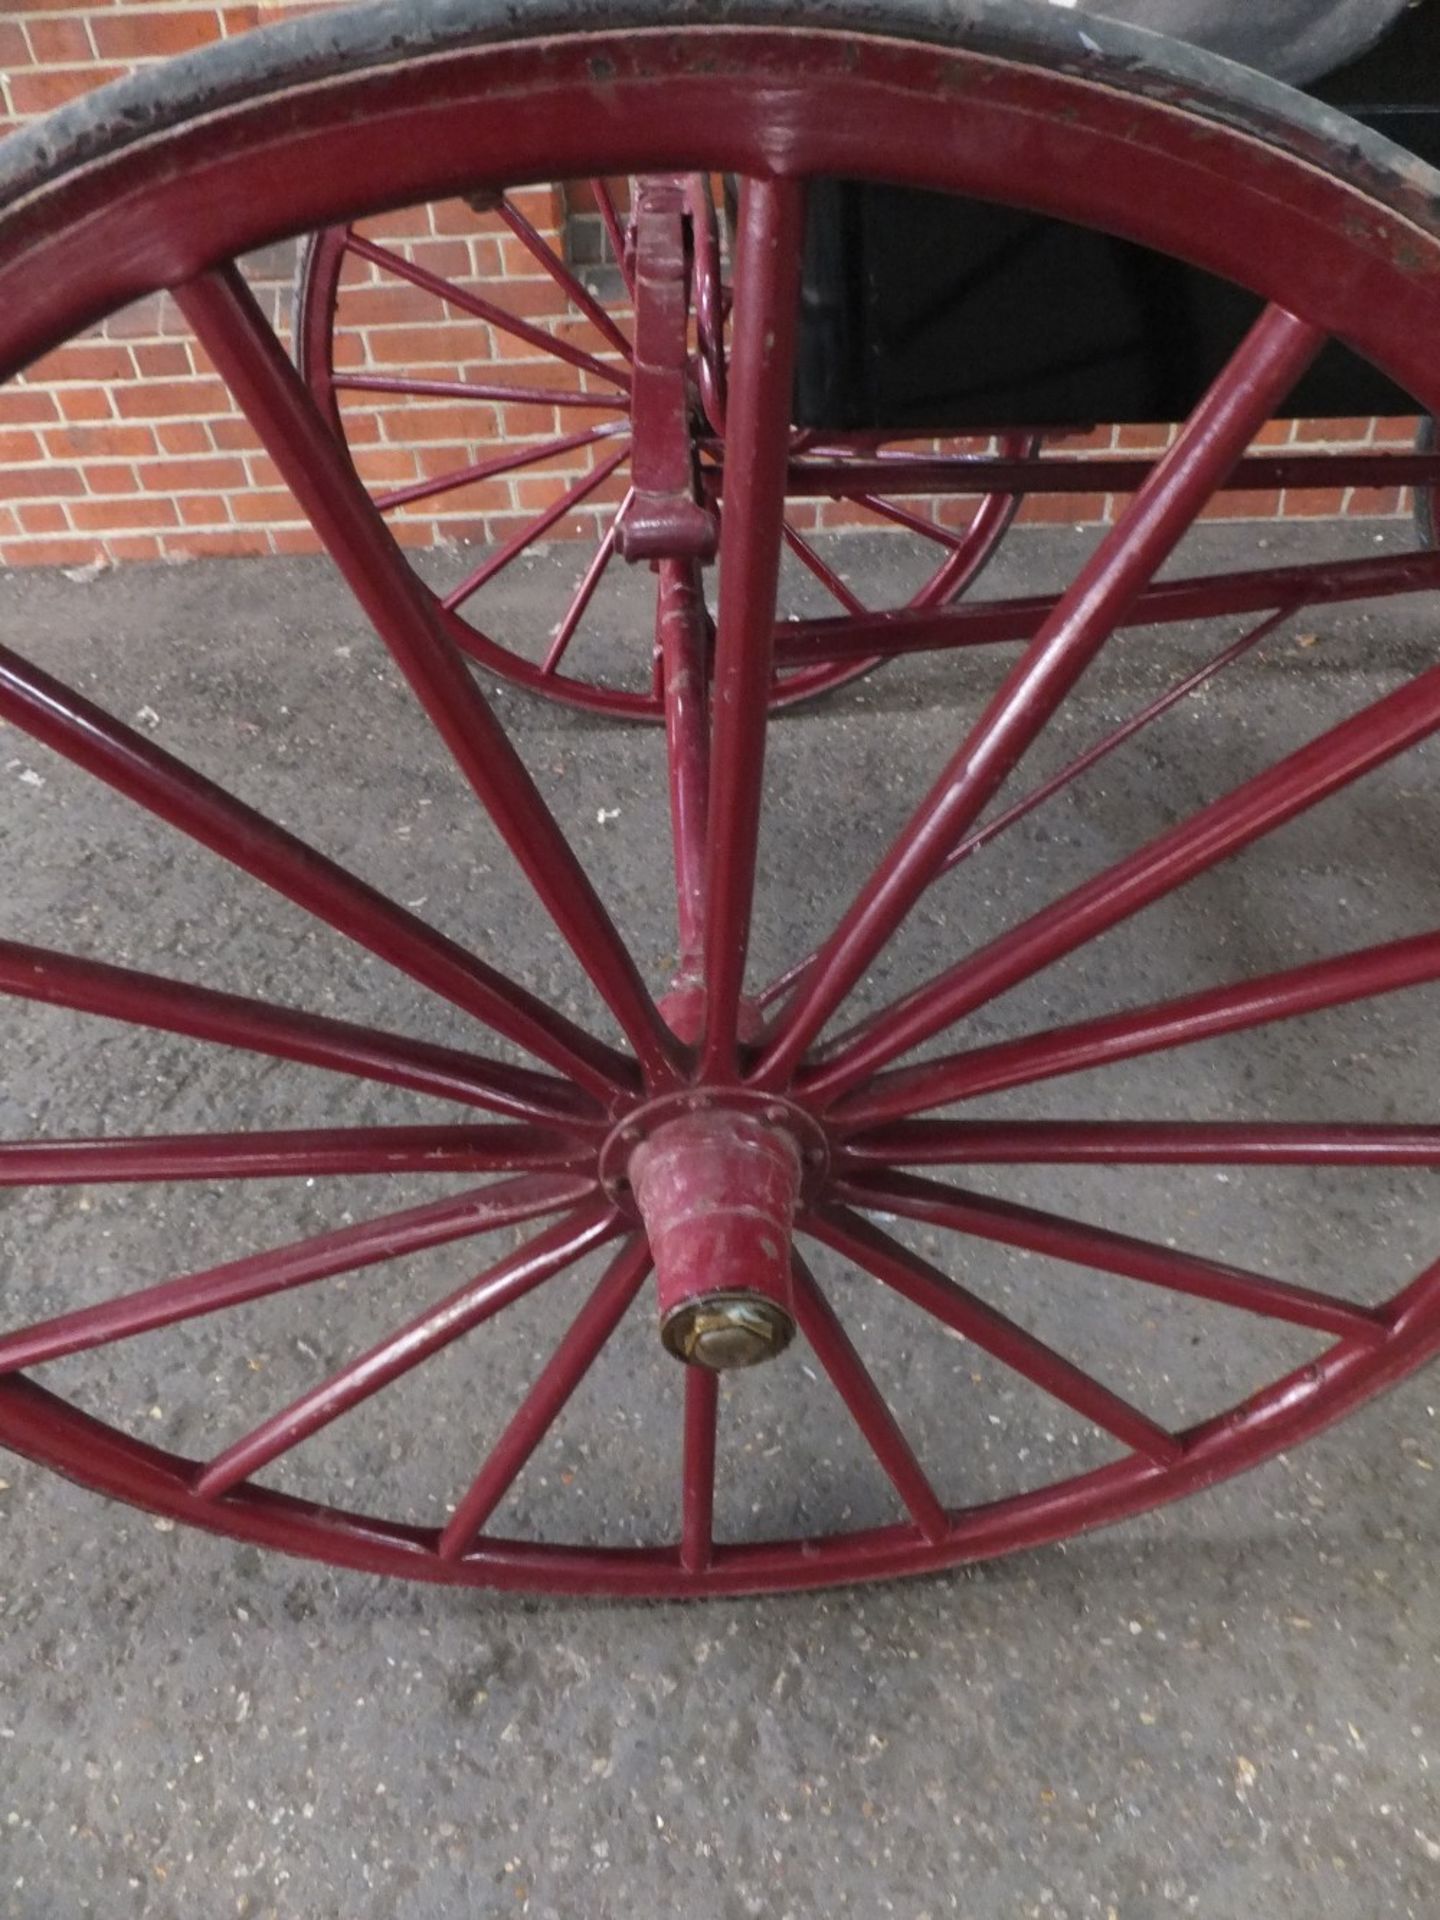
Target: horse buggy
[[923, 269]]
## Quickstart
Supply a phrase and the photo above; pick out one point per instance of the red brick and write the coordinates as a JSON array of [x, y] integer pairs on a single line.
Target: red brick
[[87, 360], [183, 436], [194, 544], [256, 508], [18, 445], [40, 483], [1332, 432], [1396, 433], [521, 422], [533, 300], [487, 260], [1063, 510], [232, 434], [42, 516], [162, 359], [130, 34], [100, 516], [362, 428], [295, 540], [444, 345], [404, 223], [106, 441], [203, 509], [132, 546], [470, 423], [1143, 439], [481, 496], [385, 466], [107, 477], [23, 405], [157, 398], [57, 43], [1374, 503], [540, 490], [417, 531], [49, 553], [1243, 506], [14, 50], [85, 403], [38, 92], [1314, 503], [515, 353], [448, 258], [390, 305], [222, 471], [453, 216]]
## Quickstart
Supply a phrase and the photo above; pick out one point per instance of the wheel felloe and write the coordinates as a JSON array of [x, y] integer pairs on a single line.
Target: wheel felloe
[[717, 1193]]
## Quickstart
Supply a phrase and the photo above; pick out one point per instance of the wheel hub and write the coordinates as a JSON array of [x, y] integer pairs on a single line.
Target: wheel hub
[[716, 1180]]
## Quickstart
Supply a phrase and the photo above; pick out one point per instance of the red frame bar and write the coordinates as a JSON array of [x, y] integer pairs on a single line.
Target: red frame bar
[[763, 331], [1210, 597], [683, 640], [1266, 366]]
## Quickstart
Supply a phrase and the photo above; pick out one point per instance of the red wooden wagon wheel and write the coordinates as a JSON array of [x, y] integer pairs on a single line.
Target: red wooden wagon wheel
[[576, 386], [707, 1140]]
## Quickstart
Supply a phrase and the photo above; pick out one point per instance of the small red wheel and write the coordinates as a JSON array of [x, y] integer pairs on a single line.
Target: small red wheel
[[554, 416], [693, 1131]]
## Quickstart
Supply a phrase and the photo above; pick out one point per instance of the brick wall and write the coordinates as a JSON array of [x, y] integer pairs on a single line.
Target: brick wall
[[124, 445]]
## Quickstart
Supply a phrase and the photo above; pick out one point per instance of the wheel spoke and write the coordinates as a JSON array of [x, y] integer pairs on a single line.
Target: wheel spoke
[[482, 309], [856, 1239], [992, 519], [525, 456], [1262, 372], [574, 289], [283, 1033], [560, 1246], [547, 1399], [763, 333], [1079, 1244], [534, 529], [610, 220], [681, 625], [244, 349], [1083, 763], [1139, 1143], [868, 1407], [585, 592], [1182, 1022], [144, 772], [914, 522], [826, 575], [497, 391], [298, 1264], [290, 1155], [697, 1498]]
